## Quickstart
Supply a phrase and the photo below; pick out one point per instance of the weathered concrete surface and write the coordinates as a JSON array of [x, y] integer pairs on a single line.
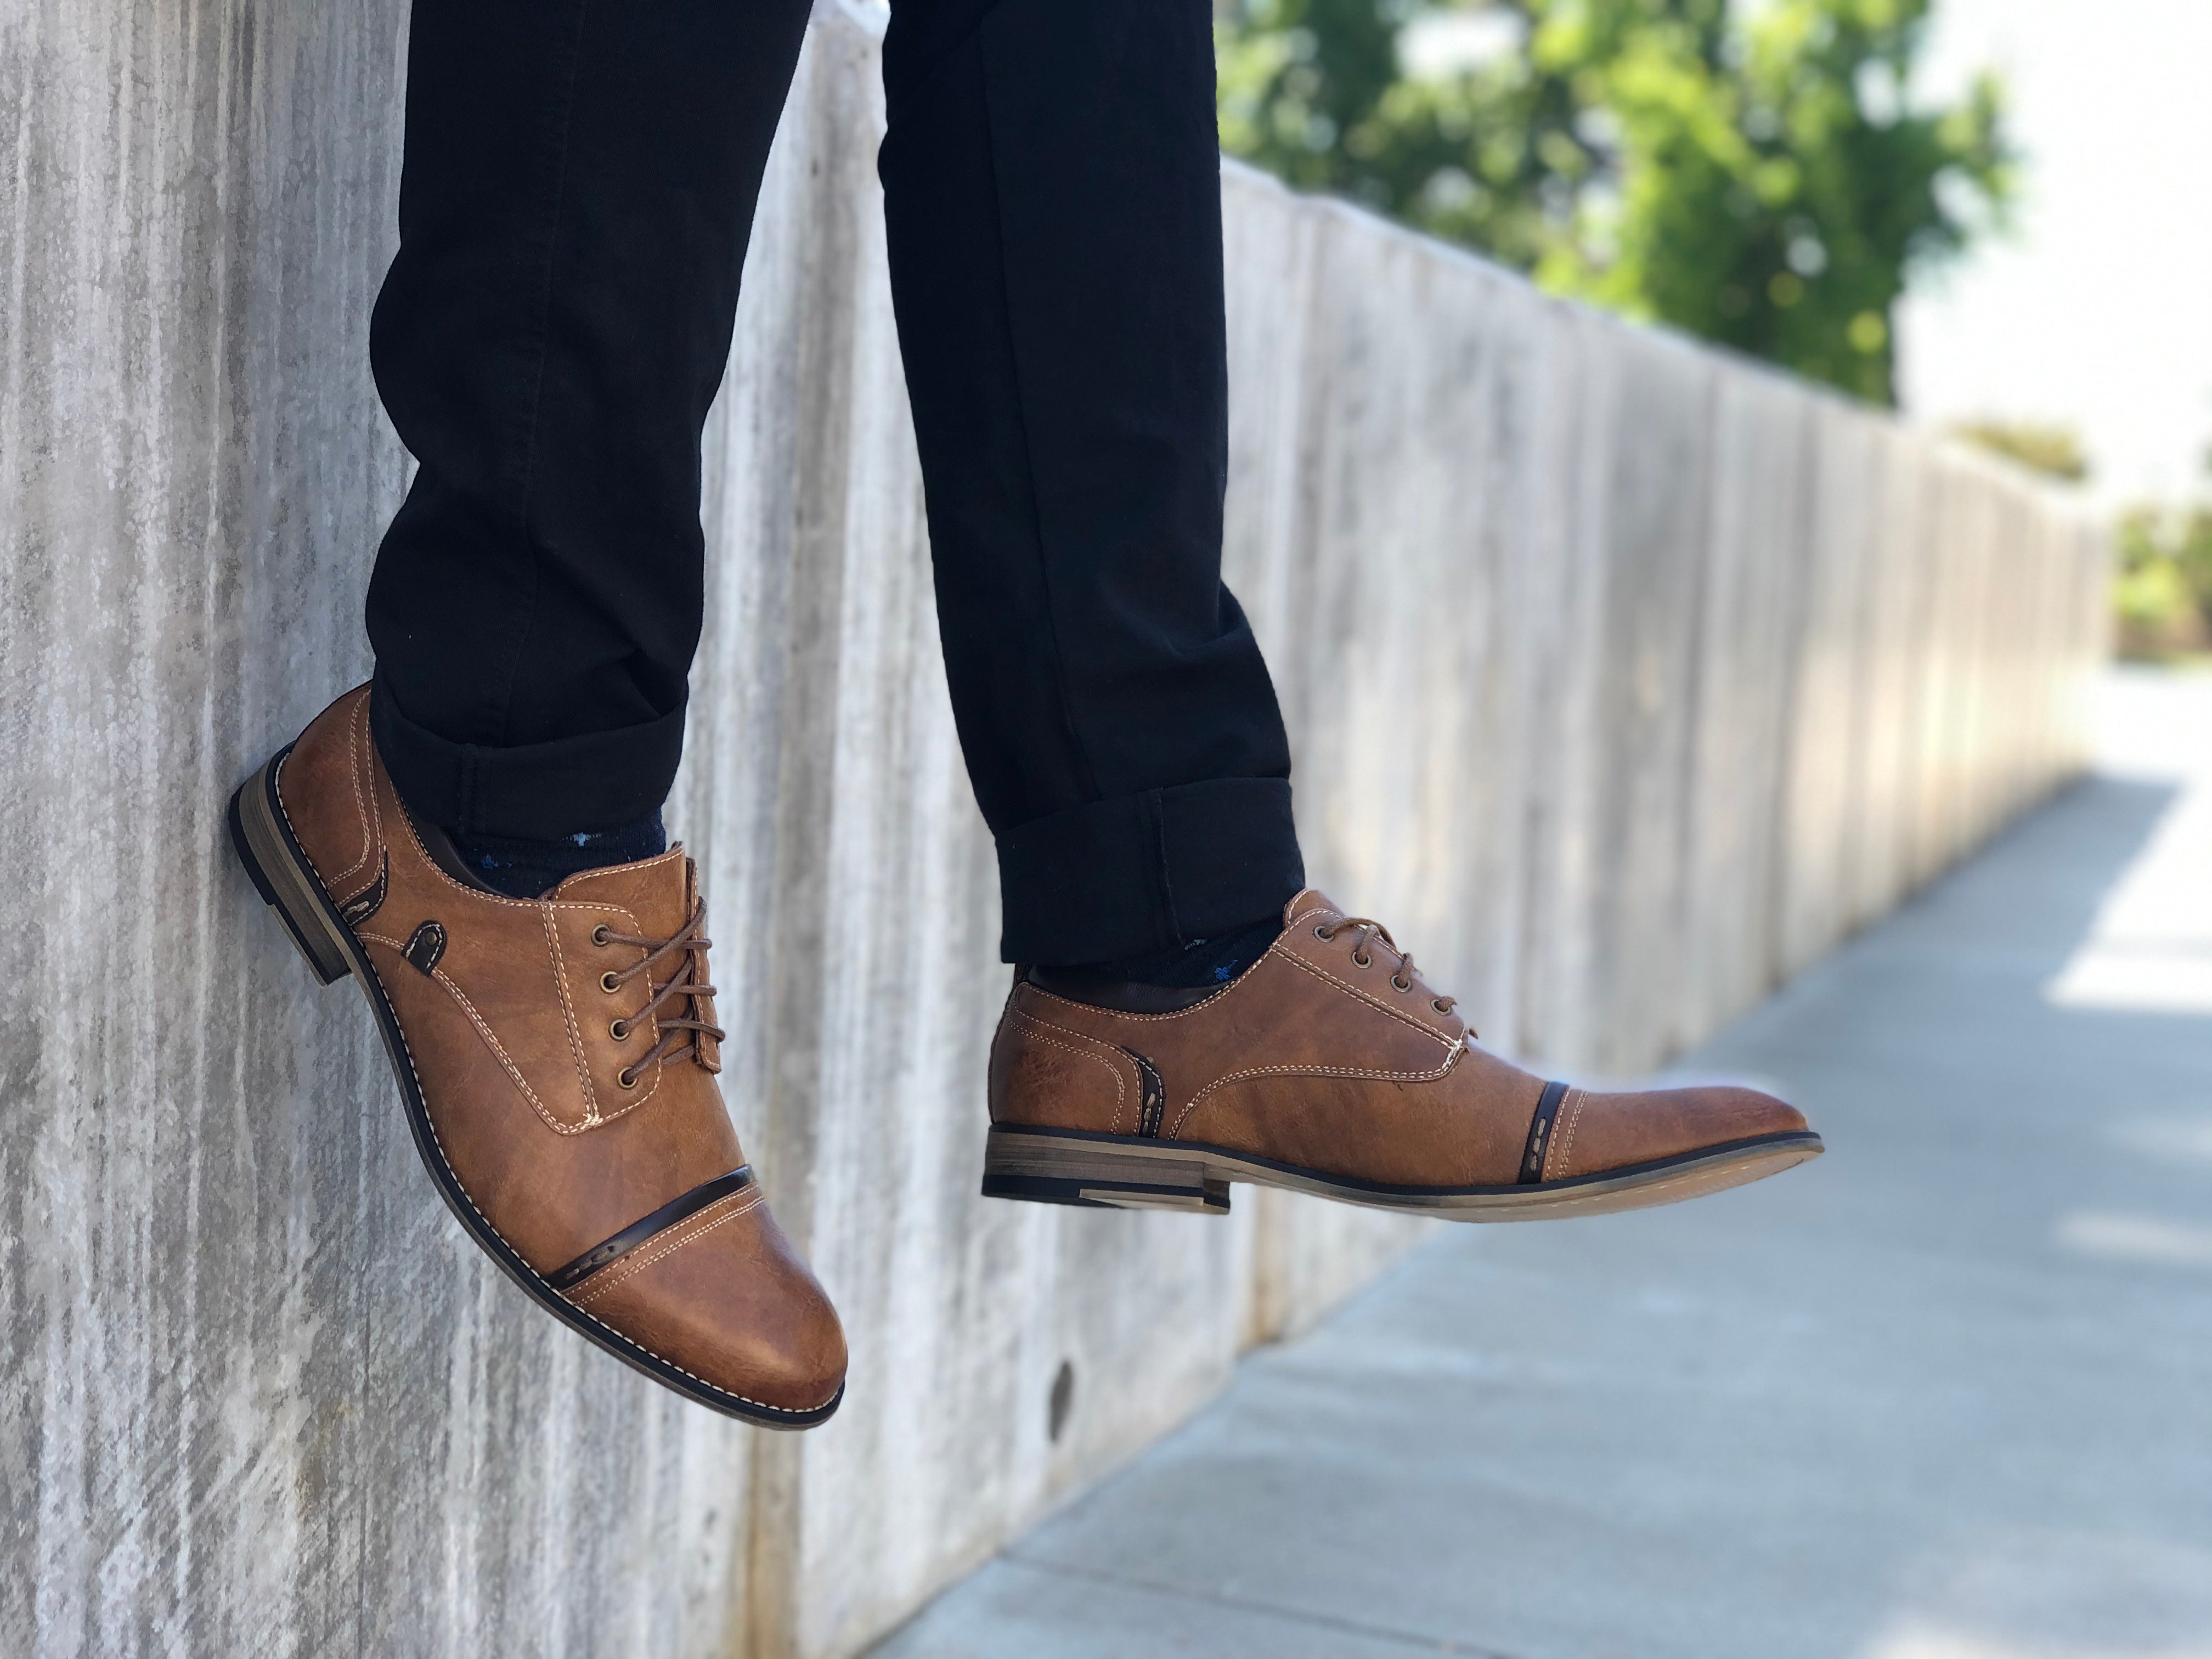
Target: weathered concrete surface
[[1939, 1395], [1625, 679]]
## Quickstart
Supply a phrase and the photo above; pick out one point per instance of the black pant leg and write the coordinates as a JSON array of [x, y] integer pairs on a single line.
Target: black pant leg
[[1052, 181], [578, 184]]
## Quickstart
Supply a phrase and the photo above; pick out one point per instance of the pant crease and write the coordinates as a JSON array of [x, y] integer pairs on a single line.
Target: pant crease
[[1167, 874], [1029, 454], [541, 343]]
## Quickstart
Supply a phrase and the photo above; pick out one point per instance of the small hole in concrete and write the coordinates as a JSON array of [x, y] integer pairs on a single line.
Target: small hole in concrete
[[1062, 1401]]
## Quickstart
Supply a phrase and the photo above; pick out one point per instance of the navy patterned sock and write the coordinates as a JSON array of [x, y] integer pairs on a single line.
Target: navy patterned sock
[[1205, 962], [526, 869]]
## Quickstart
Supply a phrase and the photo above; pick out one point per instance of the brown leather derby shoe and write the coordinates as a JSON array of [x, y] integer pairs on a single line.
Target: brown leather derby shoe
[[557, 1058], [1329, 1066]]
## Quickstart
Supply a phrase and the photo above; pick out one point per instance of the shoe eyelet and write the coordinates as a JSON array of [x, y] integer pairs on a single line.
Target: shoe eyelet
[[1401, 984], [1361, 959], [599, 934], [619, 1030], [627, 1077], [1321, 932], [607, 982], [1440, 1004]]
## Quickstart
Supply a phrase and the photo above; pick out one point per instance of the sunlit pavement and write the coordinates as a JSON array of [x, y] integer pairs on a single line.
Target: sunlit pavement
[[1946, 1393]]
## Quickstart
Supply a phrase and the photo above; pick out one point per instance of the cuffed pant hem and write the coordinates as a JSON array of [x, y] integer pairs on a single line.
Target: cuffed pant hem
[[542, 791], [1147, 872]]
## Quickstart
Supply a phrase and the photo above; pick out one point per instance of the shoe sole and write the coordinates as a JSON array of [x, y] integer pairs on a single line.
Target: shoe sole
[[1126, 1172], [261, 836]]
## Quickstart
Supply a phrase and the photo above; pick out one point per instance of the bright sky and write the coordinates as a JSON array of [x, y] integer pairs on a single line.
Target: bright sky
[[2097, 312]]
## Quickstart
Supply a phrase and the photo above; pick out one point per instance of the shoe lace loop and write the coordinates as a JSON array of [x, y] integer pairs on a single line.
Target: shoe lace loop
[[1367, 929], [681, 1028]]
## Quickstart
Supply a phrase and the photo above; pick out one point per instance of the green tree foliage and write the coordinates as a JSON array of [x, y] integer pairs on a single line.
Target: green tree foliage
[[1753, 174], [2164, 588]]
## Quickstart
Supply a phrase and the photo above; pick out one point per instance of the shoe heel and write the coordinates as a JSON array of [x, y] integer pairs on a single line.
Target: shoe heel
[[1103, 1172], [259, 842]]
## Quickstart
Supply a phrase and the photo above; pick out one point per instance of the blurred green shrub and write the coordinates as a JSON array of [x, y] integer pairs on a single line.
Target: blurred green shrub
[[1757, 175], [2163, 591], [2054, 451], [2162, 588]]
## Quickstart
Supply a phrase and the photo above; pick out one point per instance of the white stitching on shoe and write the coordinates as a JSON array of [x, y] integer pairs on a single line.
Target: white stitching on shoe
[[1346, 986], [368, 749], [1278, 948], [1565, 1145], [1291, 927], [593, 1115], [1192, 1104], [1229, 989], [652, 1023], [569, 1017], [481, 896], [1454, 1047], [356, 741], [438, 1144], [1043, 995], [1120, 1089], [559, 1125], [691, 1231], [437, 871], [505, 1242], [498, 1050], [711, 1387]]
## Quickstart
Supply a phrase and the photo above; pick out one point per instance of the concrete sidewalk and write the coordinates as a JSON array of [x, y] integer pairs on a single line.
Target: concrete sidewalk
[[1946, 1393]]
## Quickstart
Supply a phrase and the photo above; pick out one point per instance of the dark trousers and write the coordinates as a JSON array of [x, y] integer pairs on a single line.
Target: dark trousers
[[578, 186]]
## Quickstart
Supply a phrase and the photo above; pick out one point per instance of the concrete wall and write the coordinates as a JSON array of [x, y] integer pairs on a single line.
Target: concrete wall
[[1626, 678]]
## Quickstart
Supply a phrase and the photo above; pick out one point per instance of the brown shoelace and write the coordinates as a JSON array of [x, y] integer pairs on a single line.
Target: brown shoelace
[[680, 1032], [1369, 930]]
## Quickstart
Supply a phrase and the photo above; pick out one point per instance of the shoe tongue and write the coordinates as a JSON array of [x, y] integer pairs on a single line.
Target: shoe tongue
[[1309, 898], [657, 891]]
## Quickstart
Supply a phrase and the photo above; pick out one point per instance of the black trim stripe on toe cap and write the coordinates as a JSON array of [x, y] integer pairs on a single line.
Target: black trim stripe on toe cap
[[1540, 1131], [677, 1209]]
